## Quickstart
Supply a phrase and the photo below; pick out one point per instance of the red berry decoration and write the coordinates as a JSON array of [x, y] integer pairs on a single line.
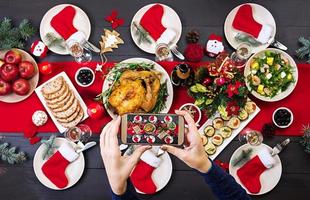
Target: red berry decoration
[[220, 81], [193, 52], [45, 68], [95, 110], [207, 81]]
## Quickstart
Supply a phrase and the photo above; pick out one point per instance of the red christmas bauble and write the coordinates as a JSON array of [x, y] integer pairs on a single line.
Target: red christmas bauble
[[95, 110], [45, 68], [220, 81], [207, 81]]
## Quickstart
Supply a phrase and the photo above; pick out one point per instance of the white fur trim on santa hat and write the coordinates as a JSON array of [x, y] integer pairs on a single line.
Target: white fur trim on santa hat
[[167, 36], [266, 158], [149, 158], [264, 34], [78, 36], [67, 151]]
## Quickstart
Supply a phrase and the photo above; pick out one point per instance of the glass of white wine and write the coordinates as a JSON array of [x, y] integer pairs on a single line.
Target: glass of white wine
[[79, 133], [251, 137]]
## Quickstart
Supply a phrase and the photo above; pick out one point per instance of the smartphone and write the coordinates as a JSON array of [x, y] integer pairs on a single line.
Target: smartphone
[[153, 129]]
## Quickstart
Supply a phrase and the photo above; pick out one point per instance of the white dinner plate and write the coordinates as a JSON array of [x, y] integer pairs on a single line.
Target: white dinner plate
[[269, 179], [281, 95], [170, 20], [73, 172], [260, 14], [165, 77], [81, 22]]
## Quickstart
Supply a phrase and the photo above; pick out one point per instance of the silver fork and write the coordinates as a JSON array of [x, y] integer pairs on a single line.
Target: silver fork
[[175, 51]]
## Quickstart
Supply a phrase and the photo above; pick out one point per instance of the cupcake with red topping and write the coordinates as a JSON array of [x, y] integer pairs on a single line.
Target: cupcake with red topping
[[137, 119], [168, 139], [168, 119], [152, 119], [150, 139], [136, 138]]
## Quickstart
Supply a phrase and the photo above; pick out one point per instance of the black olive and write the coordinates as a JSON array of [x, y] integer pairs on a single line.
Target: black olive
[[85, 76]]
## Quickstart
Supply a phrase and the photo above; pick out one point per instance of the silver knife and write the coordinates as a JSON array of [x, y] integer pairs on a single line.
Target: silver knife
[[279, 147], [86, 146], [91, 47]]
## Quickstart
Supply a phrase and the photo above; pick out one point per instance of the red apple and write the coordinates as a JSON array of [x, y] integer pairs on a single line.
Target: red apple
[[5, 87], [9, 72], [21, 86], [207, 81], [26, 69], [13, 57]]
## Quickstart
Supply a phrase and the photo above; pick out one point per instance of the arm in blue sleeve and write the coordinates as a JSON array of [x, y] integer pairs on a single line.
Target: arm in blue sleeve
[[223, 185], [130, 193]]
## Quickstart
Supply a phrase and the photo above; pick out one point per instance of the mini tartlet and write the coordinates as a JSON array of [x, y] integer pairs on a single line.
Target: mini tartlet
[[234, 123], [243, 114], [218, 123], [210, 148], [250, 107], [217, 140], [209, 131], [225, 132]]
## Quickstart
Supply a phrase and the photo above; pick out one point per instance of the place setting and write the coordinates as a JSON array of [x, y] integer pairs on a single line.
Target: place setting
[[241, 97]]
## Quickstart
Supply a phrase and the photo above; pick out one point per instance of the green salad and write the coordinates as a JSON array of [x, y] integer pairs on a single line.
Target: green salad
[[270, 74]]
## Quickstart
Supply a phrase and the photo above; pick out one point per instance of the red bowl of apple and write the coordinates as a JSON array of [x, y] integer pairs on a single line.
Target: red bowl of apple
[[18, 75]]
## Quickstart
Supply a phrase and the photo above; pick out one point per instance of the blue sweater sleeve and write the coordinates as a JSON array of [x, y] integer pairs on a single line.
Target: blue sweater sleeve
[[223, 185], [130, 193]]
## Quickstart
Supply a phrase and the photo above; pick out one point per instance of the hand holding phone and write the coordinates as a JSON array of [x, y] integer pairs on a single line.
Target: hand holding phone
[[154, 129]]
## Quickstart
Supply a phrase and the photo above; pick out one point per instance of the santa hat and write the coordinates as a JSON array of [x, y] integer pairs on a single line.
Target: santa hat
[[215, 37], [38, 51]]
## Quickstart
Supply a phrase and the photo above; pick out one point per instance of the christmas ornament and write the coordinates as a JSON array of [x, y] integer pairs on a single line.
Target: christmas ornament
[[245, 22], [95, 110], [249, 173], [151, 21], [109, 41], [192, 36], [38, 49], [305, 141], [10, 155], [141, 177], [115, 22], [304, 51], [143, 35], [214, 45], [193, 52], [39, 118], [54, 168], [49, 147], [15, 37], [207, 81], [45, 68]]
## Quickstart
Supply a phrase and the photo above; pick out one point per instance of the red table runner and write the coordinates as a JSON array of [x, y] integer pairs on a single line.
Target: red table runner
[[17, 117]]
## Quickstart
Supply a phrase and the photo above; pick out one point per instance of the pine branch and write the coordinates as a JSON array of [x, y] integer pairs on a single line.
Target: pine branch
[[143, 35], [9, 155], [304, 51], [53, 40], [26, 29]]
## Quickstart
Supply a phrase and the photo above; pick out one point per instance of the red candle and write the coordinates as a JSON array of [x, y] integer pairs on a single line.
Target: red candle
[[95, 110], [45, 68]]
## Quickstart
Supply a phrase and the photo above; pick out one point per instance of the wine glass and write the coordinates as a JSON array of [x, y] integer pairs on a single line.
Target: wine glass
[[242, 53], [80, 54], [250, 136], [163, 53], [79, 133]]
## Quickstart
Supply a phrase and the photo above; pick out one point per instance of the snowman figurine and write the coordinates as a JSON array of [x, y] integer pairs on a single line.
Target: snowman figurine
[[38, 49], [214, 45]]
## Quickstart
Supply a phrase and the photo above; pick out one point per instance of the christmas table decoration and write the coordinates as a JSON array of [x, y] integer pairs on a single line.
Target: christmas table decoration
[[113, 20], [219, 87], [143, 35], [214, 45], [242, 157], [39, 118], [38, 49], [141, 177], [245, 22], [45, 68], [10, 155], [304, 51], [193, 51], [95, 110], [305, 141], [54, 168], [249, 173], [151, 21], [15, 37], [53, 41]]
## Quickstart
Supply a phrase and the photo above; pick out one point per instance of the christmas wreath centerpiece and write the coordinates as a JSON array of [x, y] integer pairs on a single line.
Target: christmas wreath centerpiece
[[219, 87]]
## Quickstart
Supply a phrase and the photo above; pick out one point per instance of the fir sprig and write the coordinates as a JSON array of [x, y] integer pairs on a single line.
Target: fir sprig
[[161, 99], [15, 37], [54, 41], [10, 155], [304, 51], [143, 35]]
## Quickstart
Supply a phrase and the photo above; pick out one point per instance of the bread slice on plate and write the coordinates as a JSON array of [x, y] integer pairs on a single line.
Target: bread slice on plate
[[53, 86], [75, 121], [64, 104]]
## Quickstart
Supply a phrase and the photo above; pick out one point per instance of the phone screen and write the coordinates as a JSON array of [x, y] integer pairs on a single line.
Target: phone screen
[[153, 129]]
